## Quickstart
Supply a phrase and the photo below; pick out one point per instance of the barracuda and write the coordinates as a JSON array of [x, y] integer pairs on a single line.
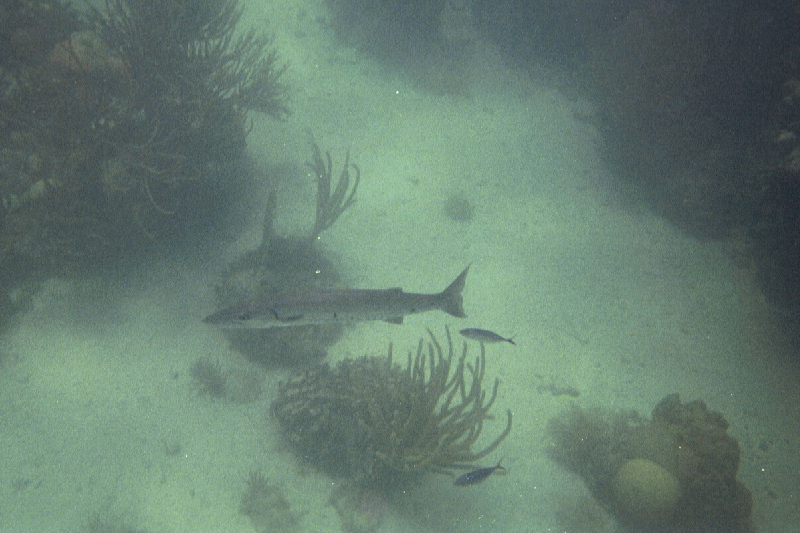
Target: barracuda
[[339, 306]]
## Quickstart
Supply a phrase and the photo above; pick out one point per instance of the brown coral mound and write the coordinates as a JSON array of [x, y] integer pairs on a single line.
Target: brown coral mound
[[686, 442], [706, 462], [380, 423]]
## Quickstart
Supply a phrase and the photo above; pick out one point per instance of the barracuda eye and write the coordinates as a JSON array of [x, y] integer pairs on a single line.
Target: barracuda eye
[[244, 316]]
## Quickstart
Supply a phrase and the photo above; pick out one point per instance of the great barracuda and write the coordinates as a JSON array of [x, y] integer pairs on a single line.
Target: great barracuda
[[339, 306]]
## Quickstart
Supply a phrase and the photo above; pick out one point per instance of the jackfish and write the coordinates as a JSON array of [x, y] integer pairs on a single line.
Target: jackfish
[[484, 335], [339, 306]]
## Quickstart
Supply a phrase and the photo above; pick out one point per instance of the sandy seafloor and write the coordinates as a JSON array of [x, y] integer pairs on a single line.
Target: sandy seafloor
[[100, 418]]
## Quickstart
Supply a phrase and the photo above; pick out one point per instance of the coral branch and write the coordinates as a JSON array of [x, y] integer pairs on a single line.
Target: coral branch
[[331, 206], [381, 423]]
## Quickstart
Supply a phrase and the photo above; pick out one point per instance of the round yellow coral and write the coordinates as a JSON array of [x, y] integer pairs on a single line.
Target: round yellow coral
[[644, 493]]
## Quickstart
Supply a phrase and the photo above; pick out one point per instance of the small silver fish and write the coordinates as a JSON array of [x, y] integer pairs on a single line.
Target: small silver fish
[[484, 335], [476, 476]]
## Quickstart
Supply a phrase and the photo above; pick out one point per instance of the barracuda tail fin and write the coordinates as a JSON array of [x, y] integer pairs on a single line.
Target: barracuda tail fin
[[451, 300]]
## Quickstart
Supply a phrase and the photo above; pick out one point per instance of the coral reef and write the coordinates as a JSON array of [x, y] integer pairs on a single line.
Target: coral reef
[[679, 89], [773, 248], [382, 424], [116, 130], [697, 108], [189, 49], [29, 29], [674, 121], [556, 33], [673, 473], [706, 463]]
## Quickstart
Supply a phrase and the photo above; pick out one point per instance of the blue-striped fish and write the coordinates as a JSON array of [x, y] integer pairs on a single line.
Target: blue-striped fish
[[476, 476]]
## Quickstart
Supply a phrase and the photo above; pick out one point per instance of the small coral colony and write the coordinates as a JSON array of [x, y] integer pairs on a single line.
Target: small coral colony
[[122, 128]]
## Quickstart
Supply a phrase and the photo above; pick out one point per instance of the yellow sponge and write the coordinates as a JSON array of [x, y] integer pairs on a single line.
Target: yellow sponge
[[645, 493]]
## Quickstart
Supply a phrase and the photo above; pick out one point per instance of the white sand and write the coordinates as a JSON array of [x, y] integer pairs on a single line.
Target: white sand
[[610, 300]]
